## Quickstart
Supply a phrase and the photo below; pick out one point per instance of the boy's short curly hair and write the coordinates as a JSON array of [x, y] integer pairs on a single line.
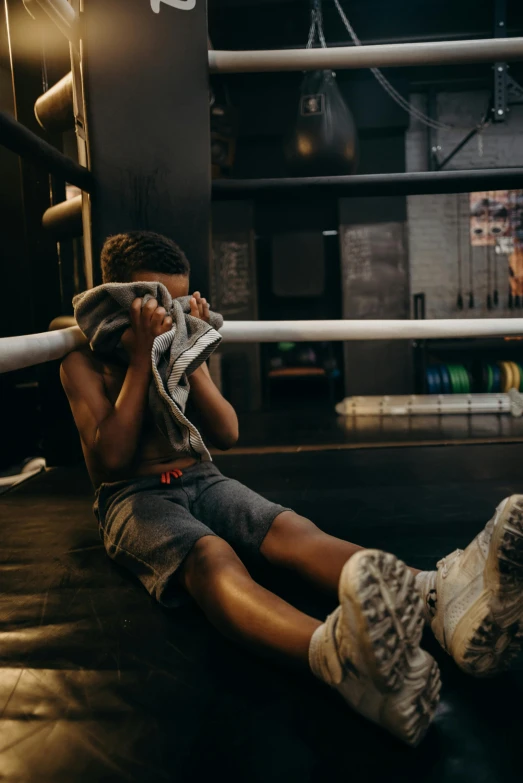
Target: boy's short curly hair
[[123, 254]]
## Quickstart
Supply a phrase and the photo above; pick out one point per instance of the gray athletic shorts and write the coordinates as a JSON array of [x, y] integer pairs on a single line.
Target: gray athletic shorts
[[150, 527]]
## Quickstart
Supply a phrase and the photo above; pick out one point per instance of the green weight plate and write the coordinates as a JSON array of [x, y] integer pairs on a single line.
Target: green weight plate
[[454, 378], [490, 384], [466, 380]]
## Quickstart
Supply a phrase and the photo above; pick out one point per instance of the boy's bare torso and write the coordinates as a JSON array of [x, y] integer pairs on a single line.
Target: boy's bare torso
[[109, 398], [155, 454]]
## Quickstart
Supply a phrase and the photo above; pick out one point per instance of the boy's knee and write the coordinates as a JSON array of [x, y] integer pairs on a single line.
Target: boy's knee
[[211, 548], [288, 533], [207, 559]]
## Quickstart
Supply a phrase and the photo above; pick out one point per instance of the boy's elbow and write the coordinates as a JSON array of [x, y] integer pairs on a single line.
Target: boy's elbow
[[227, 440]]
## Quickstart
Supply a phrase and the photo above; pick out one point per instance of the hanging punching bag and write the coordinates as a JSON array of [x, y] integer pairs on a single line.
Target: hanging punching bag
[[323, 141]]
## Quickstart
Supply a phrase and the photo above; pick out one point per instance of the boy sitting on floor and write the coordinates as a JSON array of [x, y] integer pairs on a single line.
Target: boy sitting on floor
[[168, 514]]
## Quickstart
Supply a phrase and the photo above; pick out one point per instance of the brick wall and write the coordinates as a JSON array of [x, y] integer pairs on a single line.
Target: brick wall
[[432, 220]]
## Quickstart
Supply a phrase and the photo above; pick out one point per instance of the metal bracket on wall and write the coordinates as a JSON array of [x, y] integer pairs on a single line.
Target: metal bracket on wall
[[507, 91], [499, 108], [500, 105]]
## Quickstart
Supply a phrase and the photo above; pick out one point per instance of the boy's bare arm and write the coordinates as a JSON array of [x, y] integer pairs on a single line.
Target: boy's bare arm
[[216, 416], [112, 432]]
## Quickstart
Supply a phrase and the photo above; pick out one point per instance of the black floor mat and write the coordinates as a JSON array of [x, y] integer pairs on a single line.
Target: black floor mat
[[100, 684]]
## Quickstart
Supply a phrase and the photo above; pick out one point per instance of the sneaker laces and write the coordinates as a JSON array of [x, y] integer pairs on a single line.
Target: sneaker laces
[[445, 563]]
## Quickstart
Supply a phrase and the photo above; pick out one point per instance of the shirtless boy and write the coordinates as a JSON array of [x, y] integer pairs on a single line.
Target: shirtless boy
[[192, 534]]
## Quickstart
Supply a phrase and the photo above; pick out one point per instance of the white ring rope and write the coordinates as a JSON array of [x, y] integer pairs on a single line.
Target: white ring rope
[[25, 351], [320, 331]]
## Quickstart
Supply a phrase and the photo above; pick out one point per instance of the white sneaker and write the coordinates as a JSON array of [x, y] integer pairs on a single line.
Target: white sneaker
[[478, 606], [368, 649]]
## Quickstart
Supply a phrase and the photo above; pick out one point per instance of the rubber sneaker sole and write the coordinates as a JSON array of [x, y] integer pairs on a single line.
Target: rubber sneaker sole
[[378, 595], [490, 635]]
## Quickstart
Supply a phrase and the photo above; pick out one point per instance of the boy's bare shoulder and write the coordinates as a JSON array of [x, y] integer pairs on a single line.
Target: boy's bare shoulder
[[79, 365]]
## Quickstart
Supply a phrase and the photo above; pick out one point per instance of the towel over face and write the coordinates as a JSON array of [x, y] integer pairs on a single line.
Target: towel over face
[[103, 315]]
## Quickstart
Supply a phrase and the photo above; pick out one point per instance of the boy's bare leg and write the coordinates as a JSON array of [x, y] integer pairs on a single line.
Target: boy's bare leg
[[243, 610], [296, 543], [368, 649]]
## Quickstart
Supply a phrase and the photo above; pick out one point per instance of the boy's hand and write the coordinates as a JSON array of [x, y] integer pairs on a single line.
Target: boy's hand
[[147, 322], [200, 307]]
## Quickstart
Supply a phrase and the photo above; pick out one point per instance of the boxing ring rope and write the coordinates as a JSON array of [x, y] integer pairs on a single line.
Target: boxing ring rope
[[27, 350], [368, 56], [411, 183], [65, 218]]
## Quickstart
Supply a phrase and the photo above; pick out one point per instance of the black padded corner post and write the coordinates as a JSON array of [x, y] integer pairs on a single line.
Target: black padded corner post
[[146, 79]]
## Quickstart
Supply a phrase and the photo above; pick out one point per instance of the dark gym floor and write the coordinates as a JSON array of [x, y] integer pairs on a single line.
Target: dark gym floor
[[318, 427], [100, 684]]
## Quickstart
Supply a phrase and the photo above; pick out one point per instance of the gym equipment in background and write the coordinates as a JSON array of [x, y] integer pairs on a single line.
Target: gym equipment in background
[[487, 377], [432, 405], [323, 141]]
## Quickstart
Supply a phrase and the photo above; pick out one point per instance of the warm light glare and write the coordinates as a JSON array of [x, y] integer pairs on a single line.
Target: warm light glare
[[304, 146]]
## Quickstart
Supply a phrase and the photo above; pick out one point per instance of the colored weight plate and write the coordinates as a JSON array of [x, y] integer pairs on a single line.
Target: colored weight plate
[[486, 376], [446, 386], [487, 387], [520, 368], [455, 378], [465, 377], [437, 376], [458, 373], [490, 382], [450, 371], [465, 380], [437, 380], [506, 376], [429, 381], [516, 377], [433, 380], [503, 376], [496, 379], [510, 377]]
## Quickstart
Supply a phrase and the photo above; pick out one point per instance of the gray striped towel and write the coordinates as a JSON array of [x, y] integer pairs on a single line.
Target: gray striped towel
[[102, 314]]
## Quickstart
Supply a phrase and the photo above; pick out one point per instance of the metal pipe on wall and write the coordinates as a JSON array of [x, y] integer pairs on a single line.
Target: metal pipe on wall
[[20, 140], [54, 109], [64, 220]]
